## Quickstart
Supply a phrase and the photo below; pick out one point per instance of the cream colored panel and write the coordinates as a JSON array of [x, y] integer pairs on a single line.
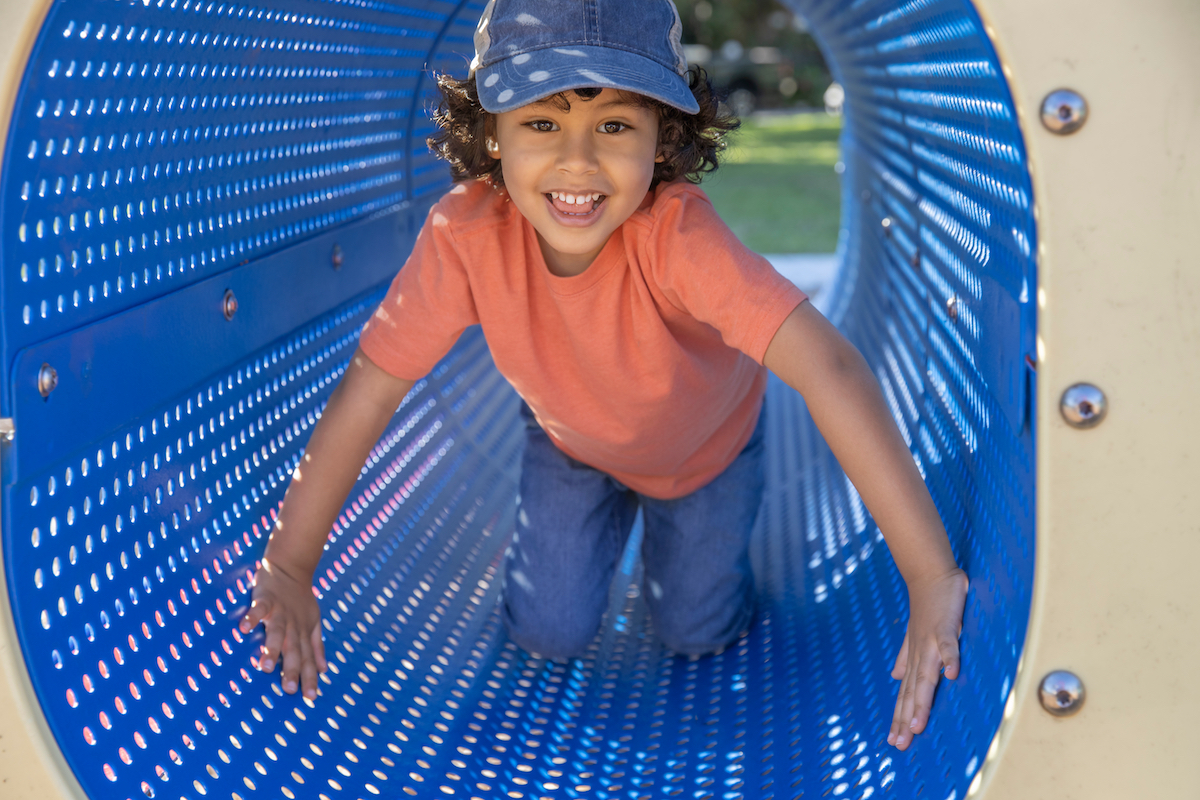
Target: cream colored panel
[[1117, 600], [31, 765], [20, 22]]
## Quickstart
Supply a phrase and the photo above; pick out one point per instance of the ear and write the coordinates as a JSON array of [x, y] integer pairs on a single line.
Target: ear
[[660, 158], [490, 142]]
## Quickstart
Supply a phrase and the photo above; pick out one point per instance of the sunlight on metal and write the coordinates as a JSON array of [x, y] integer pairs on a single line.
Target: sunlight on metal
[[170, 163]]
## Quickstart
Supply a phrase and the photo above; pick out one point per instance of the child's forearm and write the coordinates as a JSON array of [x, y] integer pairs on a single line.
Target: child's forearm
[[844, 399], [354, 419], [848, 407]]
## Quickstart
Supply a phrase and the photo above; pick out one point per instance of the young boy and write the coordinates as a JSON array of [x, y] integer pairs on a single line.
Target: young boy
[[636, 329]]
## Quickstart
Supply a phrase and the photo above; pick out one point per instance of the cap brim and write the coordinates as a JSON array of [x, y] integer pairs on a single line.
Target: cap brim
[[529, 77]]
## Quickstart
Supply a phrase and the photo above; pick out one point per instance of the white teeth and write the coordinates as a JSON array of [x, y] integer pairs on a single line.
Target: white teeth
[[576, 199]]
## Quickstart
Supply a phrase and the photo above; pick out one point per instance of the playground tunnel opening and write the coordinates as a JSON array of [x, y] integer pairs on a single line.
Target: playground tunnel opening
[[163, 156]]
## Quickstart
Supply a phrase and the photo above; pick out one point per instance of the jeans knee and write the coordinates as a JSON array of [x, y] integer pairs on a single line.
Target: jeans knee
[[700, 636], [557, 629], [555, 639], [695, 645]]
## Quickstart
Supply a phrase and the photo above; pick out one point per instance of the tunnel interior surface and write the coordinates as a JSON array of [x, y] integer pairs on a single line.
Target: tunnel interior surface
[[168, 155]]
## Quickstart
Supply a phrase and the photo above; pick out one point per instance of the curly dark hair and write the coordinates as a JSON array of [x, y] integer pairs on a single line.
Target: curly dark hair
[[689, 143]]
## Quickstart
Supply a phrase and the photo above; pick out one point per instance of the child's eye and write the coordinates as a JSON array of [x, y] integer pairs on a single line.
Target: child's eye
[[542, 125], [613, 127]]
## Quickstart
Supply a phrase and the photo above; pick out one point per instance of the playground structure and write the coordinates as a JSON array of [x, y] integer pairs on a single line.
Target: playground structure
[[200, 202]]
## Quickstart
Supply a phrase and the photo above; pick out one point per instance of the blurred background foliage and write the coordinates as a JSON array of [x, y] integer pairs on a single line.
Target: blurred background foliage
[[757, 50], [779, 183], [778, 187]]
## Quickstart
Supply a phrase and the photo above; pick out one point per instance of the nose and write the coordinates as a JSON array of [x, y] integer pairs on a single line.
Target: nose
[[577, 154]]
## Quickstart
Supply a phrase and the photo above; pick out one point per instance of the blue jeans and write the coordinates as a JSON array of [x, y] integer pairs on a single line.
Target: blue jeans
[[572, 524]]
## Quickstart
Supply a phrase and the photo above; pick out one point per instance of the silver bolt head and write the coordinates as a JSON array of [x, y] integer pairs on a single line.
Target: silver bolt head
[[1083, 406], [47, 380], [952, 307], [1062, 693], [229, 305], [1064, 112]]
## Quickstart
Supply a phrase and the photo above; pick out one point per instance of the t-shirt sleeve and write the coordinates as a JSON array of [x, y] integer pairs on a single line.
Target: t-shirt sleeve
[[427, 307], [706, 271]]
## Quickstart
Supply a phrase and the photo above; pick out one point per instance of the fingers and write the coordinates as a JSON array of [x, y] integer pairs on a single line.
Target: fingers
[[893, 737], [259, 610], [900, 733], [923, 689], [914, 701], [318, 649], [906, 720], [948, 650], [901, 664], [273, 644], [289, 641], [292, 660], [308, 668], [930, 647]]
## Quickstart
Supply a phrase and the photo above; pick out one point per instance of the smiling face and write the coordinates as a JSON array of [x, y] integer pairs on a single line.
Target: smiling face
[[577, 174]]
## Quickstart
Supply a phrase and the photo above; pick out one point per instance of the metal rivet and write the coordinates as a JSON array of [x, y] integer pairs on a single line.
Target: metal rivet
[[229, 305], [1083, 405], [1062, 693], [952, 307], [886, 224], [337, 257], [47, 380], [1064, 111]]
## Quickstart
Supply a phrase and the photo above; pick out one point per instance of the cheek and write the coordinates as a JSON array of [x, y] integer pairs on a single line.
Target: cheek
[[511, 170], [641, 170], [518, 160], [649, 158], [518, 187]]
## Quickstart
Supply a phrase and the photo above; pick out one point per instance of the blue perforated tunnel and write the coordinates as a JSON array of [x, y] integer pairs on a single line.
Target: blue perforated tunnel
[[164, 152]]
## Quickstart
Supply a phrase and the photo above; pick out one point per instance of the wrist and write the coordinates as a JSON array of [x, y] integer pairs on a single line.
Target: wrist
[[926, 560], [934, 575], [278, 559]]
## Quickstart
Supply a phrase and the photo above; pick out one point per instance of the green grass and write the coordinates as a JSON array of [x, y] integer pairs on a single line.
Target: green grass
[[776, 187]]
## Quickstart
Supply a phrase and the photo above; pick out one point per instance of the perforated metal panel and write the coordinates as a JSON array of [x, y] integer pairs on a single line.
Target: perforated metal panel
[[158, 143], [138, 494]]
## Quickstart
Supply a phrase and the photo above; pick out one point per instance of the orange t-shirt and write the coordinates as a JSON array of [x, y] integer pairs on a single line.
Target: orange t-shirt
[[648, 365]]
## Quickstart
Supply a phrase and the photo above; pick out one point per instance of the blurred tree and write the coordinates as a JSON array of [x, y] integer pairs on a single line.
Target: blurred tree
[[758, 24]]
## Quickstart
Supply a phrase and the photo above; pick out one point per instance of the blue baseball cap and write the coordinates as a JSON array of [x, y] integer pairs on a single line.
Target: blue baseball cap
[[526, 50]]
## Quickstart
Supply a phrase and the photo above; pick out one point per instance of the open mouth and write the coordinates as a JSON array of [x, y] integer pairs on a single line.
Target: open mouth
[[576, 205]]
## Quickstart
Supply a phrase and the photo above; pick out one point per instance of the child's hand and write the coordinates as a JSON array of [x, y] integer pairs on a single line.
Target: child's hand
[[292, 619], [931, 642]]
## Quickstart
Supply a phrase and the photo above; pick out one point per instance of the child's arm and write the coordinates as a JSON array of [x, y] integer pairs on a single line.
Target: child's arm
[[354, 419], [844, 399]]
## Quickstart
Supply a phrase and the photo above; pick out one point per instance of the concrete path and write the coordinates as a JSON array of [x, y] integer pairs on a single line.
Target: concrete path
[[812, 272]]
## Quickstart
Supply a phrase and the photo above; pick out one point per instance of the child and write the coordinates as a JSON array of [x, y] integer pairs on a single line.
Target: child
[[636, 329]]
